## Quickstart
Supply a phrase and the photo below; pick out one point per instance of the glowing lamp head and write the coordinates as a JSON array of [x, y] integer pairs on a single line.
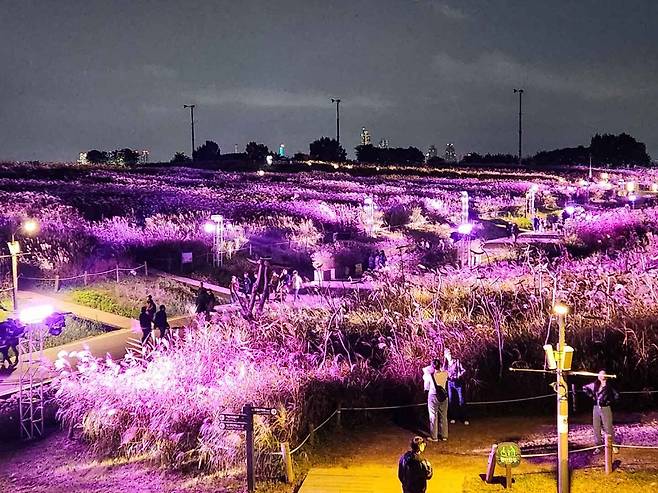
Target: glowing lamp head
[[570, 209], [465, 229], [632, 197], [630, 186], [269, 160], [582, 182], [30, 227], [261, 172], [654, 187], [605, 176], [209, 227], [367, 200], [561, 309], [534, 188], [35, 314]]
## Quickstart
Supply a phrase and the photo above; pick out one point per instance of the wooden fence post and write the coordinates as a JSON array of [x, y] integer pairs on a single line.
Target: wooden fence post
[[117, 273], [85, 278], [146, 269], [608, 453], [56, 282], [491, 464], [287, 462]]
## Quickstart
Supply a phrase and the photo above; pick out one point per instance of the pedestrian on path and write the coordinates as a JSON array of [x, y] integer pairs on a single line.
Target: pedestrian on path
[[150, 307], [413, 470], [284, 285], [201, 300], [437, 400], [604, 396], [247, 284], [296, 285], [160, 321], [145, 323], [234, 288], [456, 406]]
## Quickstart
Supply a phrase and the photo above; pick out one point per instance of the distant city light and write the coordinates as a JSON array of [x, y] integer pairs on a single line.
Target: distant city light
[[261, 172]]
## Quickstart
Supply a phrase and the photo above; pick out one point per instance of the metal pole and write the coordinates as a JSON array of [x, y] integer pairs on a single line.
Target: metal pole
[[191, 107], [562, 415], [251, 481], [14, 249], [520, 92], [337, 101]]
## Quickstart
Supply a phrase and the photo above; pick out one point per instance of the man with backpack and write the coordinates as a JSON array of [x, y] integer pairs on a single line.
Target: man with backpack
[[413, 470]]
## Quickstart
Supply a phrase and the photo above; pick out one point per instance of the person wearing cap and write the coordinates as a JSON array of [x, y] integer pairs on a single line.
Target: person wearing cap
[[604, 396], [435, 382], [413, 470]]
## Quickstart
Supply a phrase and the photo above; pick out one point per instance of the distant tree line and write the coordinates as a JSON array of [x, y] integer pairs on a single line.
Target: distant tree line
[[118, 157]]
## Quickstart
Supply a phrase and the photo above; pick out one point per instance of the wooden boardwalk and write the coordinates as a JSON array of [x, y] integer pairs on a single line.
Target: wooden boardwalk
[[371, 479]]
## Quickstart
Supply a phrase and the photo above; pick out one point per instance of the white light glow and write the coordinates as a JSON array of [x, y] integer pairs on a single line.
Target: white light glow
[[35, 314]]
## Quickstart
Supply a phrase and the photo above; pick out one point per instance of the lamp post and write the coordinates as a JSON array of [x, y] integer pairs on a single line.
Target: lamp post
[[562, 405], [530, 197], [191, 107], [217, 228], [369, 208], [29, 227], [337, 101], [520, 93]]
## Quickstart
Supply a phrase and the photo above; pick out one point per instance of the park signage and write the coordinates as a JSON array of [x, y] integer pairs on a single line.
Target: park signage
[[245, 422]]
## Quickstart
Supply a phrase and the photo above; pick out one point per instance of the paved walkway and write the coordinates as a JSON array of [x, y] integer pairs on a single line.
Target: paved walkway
[[112, 343]]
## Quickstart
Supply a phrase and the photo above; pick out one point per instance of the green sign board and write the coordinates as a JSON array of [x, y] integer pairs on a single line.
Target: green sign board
[[508, 454]]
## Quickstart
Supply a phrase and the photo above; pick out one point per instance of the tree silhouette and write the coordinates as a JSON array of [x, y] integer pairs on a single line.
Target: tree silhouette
[[326, 149], [96, 157], [208, 152], [124, 157], [256, 152], [180, 158]]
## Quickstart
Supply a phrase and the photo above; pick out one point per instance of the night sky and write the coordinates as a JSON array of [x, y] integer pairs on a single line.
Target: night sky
[[86, 74]]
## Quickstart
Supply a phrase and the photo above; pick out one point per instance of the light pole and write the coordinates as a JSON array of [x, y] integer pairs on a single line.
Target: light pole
[[191, 107], [562, 405], [369, 207], [29, 227], [337, 101], [217, 228], [520, 92]]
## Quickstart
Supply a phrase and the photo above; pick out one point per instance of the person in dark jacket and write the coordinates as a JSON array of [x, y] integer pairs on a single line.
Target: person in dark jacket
[[247, 284], [604, 396], [201, 301], [413, 470], [457, 403], [145, 322], [160, 321]]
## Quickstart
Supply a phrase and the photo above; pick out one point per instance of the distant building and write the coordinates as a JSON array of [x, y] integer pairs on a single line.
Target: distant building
[[365, 136], [431, 152], [83, 158], [144, 156], [282, 150], [383, 144], [450, 155]]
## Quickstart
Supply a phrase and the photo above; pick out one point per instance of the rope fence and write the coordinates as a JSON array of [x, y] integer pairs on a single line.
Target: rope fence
[[57, 279]]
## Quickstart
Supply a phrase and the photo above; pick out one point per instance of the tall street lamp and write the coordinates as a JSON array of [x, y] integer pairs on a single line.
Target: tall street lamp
[[337, 101], [191, 107], [520, 93], [29, 227]]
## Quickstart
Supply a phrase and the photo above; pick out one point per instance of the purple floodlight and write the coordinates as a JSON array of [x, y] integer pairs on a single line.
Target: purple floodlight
[[209, 227], [465, 229], [35, 314]]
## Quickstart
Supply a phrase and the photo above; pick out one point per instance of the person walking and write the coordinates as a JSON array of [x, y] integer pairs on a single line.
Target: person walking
[[145, 323], [296, 285], [604, 396], [201, 301], [247, 285], [284, 284], [437, 400], [413, 470], [150, 306], [234, 288], [160, 321], [456, 407]]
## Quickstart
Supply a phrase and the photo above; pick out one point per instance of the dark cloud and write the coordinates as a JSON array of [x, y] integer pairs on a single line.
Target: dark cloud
[[107, 74]]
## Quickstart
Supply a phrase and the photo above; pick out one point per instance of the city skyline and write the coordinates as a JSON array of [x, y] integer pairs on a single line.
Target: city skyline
[[117, 74]]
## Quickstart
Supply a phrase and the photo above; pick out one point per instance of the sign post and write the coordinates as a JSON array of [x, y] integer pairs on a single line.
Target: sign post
[[508, 454], [245, 422]]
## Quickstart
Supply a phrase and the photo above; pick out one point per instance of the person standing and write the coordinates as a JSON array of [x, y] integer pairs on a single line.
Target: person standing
[[604, 396], [284, 284], [413, 470], [145, 322], [296, 285], [150, 306], [234, 288], [437, 400], [247, 285], [160, 321], [211, 303], [456, 408], [201, 301]]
